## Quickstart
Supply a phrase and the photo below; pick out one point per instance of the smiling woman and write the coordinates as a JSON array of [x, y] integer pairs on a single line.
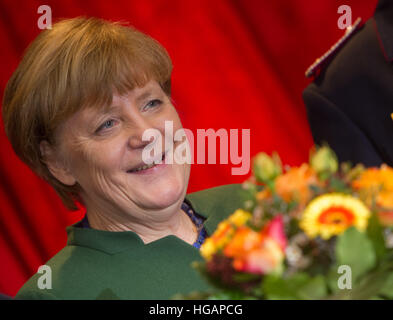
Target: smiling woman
[[75, 111], [78, 64], [103, 149]]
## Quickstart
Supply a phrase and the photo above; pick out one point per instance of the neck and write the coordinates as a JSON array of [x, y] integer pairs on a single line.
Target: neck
[[171, 221]]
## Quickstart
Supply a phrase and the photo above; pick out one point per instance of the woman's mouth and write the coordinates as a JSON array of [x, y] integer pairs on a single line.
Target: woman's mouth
[[147, 168]]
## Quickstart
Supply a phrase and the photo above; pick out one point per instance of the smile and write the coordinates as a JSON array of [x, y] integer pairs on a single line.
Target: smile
[[148, 166]]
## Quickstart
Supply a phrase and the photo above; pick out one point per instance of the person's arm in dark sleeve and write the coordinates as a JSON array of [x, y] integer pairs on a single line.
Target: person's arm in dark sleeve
[[331, 125]]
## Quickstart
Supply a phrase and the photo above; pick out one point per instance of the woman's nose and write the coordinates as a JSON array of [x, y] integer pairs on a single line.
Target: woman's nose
[[136, 139], [136, 142]]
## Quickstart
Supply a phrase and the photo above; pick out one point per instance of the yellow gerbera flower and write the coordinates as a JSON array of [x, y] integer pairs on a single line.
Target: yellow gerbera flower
[[331, 214]]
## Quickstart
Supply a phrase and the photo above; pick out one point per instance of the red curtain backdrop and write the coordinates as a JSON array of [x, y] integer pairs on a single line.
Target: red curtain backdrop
[[237, 64]]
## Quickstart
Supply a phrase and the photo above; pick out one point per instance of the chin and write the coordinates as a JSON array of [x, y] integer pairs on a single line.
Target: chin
[[163, 194], [166, 190], [161, 198]]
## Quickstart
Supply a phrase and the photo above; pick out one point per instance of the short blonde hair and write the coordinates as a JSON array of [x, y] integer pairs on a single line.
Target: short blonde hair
[[79, 62]]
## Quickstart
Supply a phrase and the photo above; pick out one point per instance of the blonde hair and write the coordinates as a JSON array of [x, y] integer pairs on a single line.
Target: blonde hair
[[79, 62]]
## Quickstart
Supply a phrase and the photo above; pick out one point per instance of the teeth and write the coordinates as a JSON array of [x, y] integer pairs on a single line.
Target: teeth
[[144, 167], [148, 166]]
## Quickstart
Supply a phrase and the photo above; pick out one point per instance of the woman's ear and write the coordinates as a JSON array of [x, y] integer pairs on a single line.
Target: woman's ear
[[56, 167]]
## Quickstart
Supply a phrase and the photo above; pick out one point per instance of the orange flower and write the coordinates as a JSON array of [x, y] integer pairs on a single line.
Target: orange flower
[[244, 240], [294, 184], [377, 182], [263, 195], [224, 233], [385, 199], [258, 252]]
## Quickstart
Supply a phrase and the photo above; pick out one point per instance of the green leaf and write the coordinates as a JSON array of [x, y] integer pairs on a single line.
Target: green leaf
[[355, 250], [298, 286], [375, 234], [332, 279], [314, 289], [339, 186], [276, 288], [387, 289]]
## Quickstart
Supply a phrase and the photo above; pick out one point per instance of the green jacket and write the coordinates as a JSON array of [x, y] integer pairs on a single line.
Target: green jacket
[[118, 265]]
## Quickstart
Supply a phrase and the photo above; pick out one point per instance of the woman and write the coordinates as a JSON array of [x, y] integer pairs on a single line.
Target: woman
[[75, 111]]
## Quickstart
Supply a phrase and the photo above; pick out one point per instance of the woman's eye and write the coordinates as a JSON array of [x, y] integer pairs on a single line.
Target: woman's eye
[[153, 103], [106, 125]]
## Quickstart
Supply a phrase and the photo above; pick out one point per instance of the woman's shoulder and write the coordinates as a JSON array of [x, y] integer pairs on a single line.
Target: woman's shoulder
[[217, 203], [228, 195]]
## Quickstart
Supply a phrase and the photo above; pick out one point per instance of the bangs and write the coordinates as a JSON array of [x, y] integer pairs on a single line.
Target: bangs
[[120, 64]]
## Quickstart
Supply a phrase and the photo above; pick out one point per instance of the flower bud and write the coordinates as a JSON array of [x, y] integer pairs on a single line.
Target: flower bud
[[324, 161], [266, 168]]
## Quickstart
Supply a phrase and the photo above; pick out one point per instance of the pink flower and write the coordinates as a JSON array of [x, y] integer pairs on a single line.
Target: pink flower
[[275, 230]]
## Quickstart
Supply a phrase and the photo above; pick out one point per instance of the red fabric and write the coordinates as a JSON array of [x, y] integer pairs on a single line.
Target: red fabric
[[237, 64]]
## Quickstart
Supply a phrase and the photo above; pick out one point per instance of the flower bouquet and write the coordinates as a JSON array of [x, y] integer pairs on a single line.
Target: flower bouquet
[[318, 231]]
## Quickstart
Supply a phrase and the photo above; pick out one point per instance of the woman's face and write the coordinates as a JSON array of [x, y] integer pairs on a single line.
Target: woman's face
[[103, 149]]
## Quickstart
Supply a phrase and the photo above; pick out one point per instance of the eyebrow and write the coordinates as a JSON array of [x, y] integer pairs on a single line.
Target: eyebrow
[[143, 96]]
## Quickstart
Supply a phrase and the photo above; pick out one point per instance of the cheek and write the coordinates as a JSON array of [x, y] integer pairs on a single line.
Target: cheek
[[171, 114], [176, 120], [91, 160]]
